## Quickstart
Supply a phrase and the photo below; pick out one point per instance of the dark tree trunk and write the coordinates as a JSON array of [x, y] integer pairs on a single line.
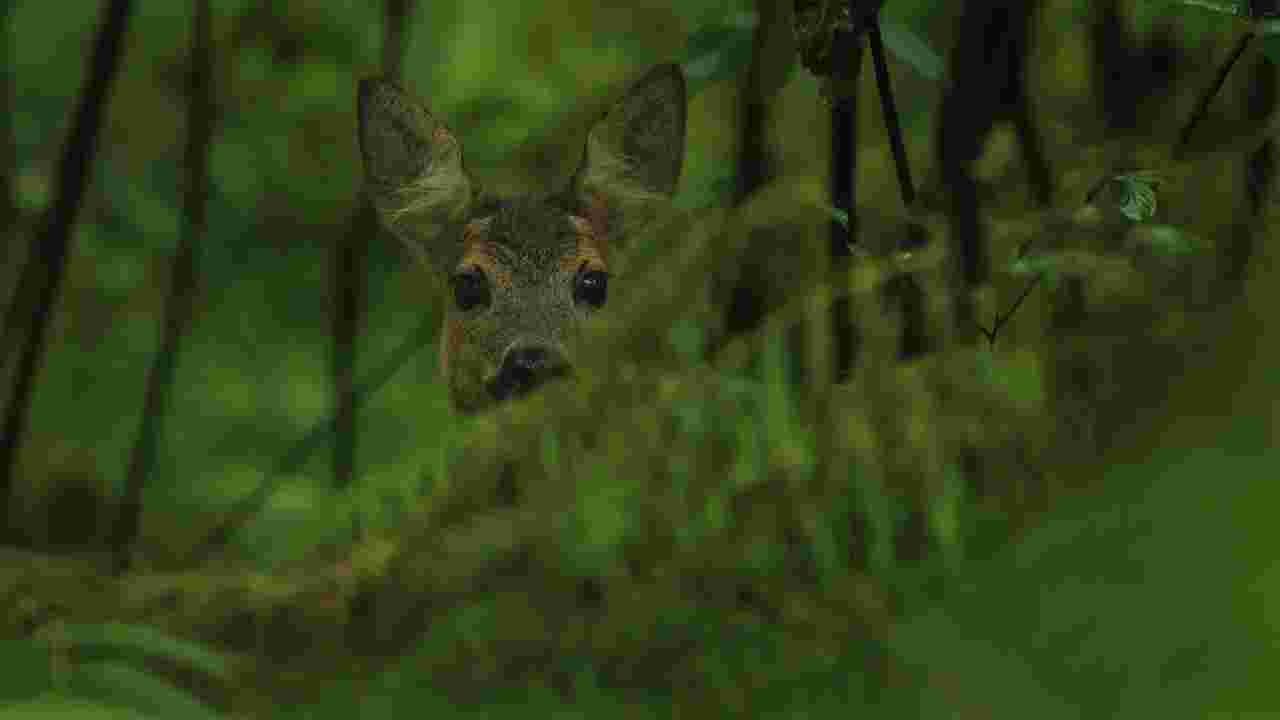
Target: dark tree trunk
[[991, 36], [47, 260], [179, 304]]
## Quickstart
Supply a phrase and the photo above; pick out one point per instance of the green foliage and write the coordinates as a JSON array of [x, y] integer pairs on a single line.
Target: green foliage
[[750, 531], [97, 671], [1111, 607], [117, 684], [1271, 43], [117, 641], [910, 48], [1135, 194], [1169, 241], [1149, 600], [1224, 7]]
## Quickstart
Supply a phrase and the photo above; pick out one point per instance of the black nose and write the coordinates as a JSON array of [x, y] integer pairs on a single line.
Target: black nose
[[525, 368]]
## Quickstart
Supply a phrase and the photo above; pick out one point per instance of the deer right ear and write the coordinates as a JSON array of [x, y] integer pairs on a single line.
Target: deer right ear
[[634, 153], [413, 169]]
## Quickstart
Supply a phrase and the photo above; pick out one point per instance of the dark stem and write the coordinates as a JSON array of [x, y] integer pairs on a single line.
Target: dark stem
[[745, 307], [179, 304], [1206, 98], [394, 38], [1038, 171], [350, 274], [846, 51], [48, 256], [890, 114]]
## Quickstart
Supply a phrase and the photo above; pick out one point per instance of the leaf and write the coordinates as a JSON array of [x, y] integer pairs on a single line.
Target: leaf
[[123, 685], [907, 45], [120, 640], [1225, 7], [1167, 241], [1203, 17], [1133, 194], [1270, 42], [1035, 263], [1138, 201]]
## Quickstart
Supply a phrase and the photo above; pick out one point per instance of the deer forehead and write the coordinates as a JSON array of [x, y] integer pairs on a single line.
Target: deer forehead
[[531, 241]]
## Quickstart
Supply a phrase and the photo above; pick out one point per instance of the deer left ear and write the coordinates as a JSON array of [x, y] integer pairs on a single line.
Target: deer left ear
[[413, 169], [634, 154]]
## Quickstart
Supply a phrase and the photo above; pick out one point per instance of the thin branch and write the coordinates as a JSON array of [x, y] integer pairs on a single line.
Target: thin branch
[[890, 114], [755, 164], [350, 268], [178, 308], [846, 51], [48, 256], [1206, 98]]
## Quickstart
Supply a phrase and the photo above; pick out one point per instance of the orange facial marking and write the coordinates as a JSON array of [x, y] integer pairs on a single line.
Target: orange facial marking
[[450, 340], [590, 250], [477, 251], [596, 213], [441, 137]]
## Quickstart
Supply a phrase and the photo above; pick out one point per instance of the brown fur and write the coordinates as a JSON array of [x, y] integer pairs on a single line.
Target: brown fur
[[531, 251]]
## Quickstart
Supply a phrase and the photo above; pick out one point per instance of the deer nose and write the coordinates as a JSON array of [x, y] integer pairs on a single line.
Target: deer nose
[[524, 368]]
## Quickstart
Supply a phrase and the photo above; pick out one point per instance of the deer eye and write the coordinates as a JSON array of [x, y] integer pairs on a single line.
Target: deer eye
[[470, 289], [591, 287]]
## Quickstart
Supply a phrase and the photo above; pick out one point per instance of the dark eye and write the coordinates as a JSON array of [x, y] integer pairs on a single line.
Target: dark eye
[[470, 289], [591, 287]]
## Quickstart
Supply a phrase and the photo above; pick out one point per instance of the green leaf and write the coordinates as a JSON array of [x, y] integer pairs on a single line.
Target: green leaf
[[1035, 263], [1168, 241], [1133, 194], [1225, 7], [1270, 43], [1138, 197], [125, 686], [907, 45], [1202, 17], [115, 640]]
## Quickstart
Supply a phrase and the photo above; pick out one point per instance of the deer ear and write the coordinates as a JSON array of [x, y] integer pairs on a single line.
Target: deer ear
[[413, 168], [634, 153]]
